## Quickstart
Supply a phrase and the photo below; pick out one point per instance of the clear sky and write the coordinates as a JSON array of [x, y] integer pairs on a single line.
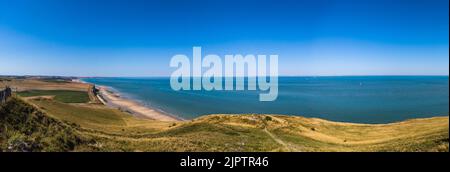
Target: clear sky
[[138, 37]]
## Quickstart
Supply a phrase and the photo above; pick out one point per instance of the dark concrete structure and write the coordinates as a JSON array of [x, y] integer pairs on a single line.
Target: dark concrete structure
[[5, 94]]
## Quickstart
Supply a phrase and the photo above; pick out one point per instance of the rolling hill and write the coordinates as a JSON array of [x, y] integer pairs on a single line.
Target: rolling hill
[[45, 124]]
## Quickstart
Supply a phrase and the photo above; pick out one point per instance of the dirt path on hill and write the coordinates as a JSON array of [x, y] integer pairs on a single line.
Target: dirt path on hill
[[279, 141]]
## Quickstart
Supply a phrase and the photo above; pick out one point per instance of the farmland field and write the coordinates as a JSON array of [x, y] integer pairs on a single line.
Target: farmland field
[[65, 96]]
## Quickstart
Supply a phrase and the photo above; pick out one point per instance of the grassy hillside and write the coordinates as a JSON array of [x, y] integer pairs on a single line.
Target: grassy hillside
[[113, 130], [23, 128]]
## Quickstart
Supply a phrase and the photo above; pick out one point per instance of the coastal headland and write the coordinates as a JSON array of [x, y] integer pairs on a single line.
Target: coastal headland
[[74, 120]]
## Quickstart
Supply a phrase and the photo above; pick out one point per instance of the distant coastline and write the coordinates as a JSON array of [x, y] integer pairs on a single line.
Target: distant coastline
[[112, 98]]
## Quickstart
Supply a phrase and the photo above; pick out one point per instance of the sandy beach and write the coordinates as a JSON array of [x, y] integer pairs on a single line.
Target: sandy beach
[[114, 100]]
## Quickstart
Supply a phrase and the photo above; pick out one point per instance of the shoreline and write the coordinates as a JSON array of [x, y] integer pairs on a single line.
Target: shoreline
[[112, 99], [362, 120]]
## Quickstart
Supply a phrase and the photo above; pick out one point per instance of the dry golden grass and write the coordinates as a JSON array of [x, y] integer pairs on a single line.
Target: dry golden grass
[[118, 131]]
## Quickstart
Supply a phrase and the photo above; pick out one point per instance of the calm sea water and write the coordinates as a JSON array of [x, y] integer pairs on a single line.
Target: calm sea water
[[369, 99]]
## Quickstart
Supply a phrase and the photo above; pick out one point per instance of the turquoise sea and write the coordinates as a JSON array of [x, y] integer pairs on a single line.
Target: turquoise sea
[[361, 99]]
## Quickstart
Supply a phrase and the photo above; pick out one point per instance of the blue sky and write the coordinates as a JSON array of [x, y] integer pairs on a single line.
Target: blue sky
[[138, 37]]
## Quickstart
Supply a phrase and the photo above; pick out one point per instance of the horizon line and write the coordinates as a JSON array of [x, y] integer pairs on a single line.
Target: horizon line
[[161, 76]]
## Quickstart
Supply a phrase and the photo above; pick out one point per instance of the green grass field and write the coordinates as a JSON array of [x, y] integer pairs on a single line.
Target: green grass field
[[65, 96], [55, 80], [82, 115]]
